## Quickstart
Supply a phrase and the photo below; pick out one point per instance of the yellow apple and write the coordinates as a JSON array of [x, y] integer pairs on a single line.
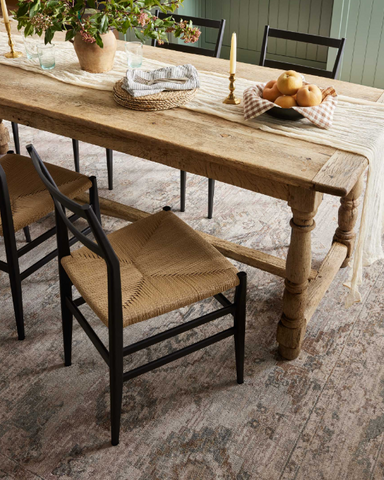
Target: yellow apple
[[286, 101], [271, 92], [289, 82], [309, 96]]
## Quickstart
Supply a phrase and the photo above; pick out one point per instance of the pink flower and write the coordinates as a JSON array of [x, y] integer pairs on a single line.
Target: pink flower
[[87, 37], [191, 35], [41, 22], [143, 19]]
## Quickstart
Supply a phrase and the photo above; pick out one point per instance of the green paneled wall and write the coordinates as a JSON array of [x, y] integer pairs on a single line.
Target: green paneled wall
[[248, 18], [362, 23]]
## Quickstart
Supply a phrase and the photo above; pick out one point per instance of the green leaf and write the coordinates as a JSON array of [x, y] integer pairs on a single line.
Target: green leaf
[[23, 9], [49, 34], [28, 30], [34, 8], [99, 41], [140, 35], [104, 23], [70, 35]]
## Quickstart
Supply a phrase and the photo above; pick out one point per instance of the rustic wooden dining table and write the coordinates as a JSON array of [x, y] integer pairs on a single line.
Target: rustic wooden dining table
[[296, 171]]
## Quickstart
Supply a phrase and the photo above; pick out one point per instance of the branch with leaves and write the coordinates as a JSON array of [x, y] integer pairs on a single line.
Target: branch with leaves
[[92, 18]]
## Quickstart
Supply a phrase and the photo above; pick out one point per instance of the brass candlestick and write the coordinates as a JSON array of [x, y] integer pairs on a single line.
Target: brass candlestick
[[231, 99], [12, 53]]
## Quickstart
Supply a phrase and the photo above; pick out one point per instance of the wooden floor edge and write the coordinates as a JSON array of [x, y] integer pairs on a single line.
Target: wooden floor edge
[[327, 272], [249, 256]]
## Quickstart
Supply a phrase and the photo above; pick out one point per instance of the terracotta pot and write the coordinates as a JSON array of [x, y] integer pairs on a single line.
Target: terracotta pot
[[94, 59]]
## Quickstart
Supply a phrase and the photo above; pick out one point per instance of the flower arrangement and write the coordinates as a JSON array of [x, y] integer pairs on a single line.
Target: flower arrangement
[[92, 18]]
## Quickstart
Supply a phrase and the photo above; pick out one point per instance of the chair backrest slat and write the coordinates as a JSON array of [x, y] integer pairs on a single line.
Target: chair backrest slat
[[199, 22], [338, 43], [300, 68], [305, 37]]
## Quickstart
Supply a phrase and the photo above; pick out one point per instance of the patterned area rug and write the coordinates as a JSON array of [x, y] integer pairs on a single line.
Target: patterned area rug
[[318, 417]]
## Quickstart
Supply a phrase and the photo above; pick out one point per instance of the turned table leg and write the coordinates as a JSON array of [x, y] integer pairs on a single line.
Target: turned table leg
[[348, 213], [4, 138], [291, 328]]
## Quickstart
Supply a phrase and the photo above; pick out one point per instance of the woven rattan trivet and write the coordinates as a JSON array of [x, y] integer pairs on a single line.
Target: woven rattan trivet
[[152, 103]]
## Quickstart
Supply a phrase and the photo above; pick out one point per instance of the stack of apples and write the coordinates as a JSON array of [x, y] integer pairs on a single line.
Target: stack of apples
[[288, 91]]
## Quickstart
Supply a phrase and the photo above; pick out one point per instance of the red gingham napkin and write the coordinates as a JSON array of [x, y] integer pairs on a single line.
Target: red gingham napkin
[[321, 115]]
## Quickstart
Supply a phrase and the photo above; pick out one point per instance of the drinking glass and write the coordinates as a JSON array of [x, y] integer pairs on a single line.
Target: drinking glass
[[30, 44], [46, 56], [134, 51]]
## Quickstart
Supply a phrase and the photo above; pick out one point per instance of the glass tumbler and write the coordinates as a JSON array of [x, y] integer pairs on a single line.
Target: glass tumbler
[[134, 51], [46, 56], [30, 44]]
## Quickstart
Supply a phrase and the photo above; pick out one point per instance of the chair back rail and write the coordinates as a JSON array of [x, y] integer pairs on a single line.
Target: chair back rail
[[338, 43], [199, 22], [102, 246]]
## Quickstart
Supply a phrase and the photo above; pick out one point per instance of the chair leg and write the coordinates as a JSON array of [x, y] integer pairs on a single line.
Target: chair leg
[[116, 395], [15, 279], [183, 188], [240, 317], [211, 194], [65, 288], [66, 316], [16, 139], [110, 168], [76, 154], [27, 234], [115, 327]]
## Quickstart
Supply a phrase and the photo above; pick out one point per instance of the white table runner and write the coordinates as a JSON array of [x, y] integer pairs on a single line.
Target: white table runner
[[356, 128]]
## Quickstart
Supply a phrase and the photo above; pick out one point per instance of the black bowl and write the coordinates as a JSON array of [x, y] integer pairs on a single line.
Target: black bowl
[[284, 113]]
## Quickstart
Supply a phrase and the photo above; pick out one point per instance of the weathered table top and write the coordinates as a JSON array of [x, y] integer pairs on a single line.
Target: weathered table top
[[191, 141]]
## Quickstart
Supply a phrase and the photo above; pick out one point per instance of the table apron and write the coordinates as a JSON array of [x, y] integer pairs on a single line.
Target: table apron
[[172, 155]]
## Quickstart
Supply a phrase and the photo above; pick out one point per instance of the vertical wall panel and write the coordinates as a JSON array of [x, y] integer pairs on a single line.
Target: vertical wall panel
[[361, 39], [282, 22], [304, 16], [243, 32], [253, 23], [293, 24], [325, 22]]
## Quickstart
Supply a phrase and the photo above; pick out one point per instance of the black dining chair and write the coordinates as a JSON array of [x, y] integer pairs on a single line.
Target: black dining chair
[[218, 25], [148, 268], [338, 43], [76, 154], [23, 201]]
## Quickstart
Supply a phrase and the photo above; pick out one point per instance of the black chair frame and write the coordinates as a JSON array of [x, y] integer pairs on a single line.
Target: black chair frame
[[338, 43], [200, 22], [11, 266], [114, 356]]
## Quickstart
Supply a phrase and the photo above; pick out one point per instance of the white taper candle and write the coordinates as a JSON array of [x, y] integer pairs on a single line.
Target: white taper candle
[[232, 68], [4, 11]]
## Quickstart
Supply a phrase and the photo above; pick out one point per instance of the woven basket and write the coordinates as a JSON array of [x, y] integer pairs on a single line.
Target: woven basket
[[152, 103]]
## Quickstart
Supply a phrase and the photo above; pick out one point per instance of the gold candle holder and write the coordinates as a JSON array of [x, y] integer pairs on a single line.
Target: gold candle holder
[[231, 99], [12, 53]]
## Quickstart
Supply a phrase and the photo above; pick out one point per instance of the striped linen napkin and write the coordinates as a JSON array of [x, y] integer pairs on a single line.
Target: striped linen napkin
[[140, 83], [321, 115]]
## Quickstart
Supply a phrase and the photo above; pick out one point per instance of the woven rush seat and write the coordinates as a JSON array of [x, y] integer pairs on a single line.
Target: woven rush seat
[[164, 265], [30, 200]]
